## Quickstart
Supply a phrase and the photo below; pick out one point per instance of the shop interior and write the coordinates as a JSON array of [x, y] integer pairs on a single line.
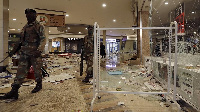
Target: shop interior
[[151, 64]]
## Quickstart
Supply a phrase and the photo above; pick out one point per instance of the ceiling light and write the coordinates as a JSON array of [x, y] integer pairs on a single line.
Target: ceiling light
[[195, 32], [166, 3], [8, 9], [104, 5], [133, 29], [192, 12], [79, 32], [86, 28], [8, 31], [156, 33], [67, 15], [49, 31], [12, 29], [114, 20], [68, 27], [14, 19]]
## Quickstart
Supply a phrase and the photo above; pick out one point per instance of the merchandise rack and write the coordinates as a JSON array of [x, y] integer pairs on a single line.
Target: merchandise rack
[[96, 61]]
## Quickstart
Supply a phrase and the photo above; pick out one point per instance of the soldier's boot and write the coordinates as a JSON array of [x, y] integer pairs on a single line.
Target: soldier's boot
[[13, 94], [38, 87], [90, 76], [86, 80]]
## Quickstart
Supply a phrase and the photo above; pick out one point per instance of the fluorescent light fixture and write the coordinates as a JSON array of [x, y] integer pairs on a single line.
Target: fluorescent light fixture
[[110, 40], [166, 3], [67, 15], [103, 5], [14, 19], [114, 20]]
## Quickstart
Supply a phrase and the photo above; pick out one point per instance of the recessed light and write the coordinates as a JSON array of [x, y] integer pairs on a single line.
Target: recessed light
[[166, 3], [8, 9], [67, 15], [86, 28], [8, 31], [114, 20], [14, 19], [103, 5], [79, 32], [195, 32], [49, 31], [192, 12]]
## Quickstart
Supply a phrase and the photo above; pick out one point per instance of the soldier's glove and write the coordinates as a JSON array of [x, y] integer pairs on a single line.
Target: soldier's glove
[[9, 54]]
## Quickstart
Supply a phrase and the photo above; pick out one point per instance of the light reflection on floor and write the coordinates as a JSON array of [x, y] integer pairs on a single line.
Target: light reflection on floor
[[131, 79]]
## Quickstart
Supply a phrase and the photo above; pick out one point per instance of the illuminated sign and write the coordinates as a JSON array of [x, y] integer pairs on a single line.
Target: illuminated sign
[[51, 19]]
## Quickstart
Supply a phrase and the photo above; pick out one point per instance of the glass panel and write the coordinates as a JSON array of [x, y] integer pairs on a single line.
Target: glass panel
[[186, 14]]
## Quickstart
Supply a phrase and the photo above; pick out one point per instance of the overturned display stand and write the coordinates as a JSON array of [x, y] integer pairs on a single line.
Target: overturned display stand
[[96, 62]]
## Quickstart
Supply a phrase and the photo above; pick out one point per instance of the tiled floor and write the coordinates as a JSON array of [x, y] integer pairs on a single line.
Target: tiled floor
[[123, 102], [73, 95]]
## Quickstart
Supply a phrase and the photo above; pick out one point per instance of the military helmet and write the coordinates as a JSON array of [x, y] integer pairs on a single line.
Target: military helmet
[[29, 11]]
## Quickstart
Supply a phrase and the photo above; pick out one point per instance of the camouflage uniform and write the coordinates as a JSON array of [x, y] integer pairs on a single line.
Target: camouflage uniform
[[33, 42], [89, 52]]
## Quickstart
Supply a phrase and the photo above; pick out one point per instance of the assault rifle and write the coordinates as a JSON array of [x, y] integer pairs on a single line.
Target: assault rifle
[[44, 72], [16, 48], [82, 58]]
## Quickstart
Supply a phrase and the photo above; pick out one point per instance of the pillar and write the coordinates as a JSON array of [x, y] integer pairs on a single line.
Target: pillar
[[50, 45], [143, 39], [4, 22], [104, 40], [104, 37], [46, 49]]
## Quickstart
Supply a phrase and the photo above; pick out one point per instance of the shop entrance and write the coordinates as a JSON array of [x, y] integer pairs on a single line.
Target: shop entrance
[[112, 46]]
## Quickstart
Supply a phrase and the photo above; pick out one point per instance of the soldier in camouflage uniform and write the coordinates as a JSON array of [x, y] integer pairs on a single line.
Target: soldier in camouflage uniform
[[89, 53], [33, 42]]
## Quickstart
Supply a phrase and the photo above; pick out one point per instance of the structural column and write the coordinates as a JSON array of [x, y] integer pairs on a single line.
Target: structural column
[[143, 37], [4, 22], [104, 37], [47, 40]]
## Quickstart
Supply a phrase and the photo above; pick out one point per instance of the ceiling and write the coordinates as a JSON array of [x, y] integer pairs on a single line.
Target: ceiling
[[87, 12]]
